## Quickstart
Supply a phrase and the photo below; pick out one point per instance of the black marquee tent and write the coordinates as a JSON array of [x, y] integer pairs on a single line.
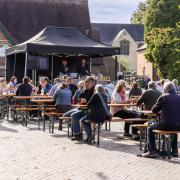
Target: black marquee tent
[[53, 42]]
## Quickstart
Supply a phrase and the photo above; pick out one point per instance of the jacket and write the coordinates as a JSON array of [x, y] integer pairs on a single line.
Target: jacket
[[62, 97], [135, 92], [149, 98], [169, 105], [24, 90], [87, 94], [97, 112]]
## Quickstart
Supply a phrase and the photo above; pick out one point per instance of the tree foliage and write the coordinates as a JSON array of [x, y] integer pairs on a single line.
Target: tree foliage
[[162, 36], [138, 16]]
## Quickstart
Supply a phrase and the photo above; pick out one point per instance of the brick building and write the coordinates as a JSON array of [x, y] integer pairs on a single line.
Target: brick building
[[5, 41], [145, 68]]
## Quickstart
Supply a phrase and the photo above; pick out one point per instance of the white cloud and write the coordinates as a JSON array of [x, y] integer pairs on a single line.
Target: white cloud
[[116, 11]]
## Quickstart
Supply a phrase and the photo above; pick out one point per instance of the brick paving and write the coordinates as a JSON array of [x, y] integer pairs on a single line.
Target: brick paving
[[29, 154]]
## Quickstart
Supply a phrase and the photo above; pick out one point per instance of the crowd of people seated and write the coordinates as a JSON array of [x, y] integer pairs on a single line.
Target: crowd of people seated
[[159, 97]]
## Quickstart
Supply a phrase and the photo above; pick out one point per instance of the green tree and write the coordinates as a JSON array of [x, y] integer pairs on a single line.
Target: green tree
[[138, 16], [162, 37]]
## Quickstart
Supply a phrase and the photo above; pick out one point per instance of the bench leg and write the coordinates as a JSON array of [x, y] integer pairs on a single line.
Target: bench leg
[[25, 119], [68, 126], [109, 126], [52, 124], [98, 134], [44, 124], [163, 147], [140, 138], [146, 143], [169, 146], [159, 142], [106, 126]]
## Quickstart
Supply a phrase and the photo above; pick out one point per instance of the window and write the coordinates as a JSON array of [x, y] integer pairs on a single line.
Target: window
[[124, 47]]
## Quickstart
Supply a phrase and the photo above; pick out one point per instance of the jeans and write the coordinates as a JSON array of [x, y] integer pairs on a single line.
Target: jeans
[[87, 126], [151, 138], [75, 121], [68, 113]]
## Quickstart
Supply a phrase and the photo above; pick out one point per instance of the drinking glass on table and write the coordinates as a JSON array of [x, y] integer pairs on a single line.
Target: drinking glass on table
[[83, 101]]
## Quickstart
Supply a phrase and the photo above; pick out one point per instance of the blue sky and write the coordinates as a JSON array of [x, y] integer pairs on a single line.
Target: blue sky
[[112, 11]]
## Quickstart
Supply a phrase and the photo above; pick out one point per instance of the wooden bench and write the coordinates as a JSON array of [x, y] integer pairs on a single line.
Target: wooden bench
[[52, 115], [166, 140], [131, 120], [141, 127], [115, 119], [26, 110]]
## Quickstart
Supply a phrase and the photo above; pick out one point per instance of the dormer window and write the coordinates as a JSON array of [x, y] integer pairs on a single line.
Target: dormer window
[[124, 47]]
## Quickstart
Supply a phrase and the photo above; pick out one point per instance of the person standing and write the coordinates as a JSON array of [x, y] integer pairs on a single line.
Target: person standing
[[83, 69], [71, 85], [64, 68]]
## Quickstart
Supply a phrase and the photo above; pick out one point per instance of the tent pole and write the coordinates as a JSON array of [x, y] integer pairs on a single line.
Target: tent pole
[[6, 67], [90, 66], [14, 69], [25, 69], [35, 77], [116, 64], [52, 69]]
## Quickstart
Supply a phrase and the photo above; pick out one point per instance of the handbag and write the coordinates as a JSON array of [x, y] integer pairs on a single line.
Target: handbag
[[108, 113]]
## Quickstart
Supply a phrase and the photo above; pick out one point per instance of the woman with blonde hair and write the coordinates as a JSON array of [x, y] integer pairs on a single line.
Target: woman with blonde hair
[[119, 97]]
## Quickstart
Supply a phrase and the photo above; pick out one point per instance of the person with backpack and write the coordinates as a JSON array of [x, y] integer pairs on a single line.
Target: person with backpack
[[97, 111]]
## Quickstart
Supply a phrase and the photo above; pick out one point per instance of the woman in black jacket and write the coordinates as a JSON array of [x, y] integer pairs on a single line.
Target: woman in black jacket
[[96, 113]]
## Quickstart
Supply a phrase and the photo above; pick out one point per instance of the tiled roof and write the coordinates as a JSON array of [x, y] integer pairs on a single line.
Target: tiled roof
[[109, 31], [25, 18]]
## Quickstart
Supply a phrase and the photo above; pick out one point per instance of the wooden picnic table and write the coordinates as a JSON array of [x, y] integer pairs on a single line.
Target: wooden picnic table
[[43, 102]]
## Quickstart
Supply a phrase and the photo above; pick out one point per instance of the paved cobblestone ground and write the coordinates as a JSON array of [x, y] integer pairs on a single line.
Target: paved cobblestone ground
[[29, 154]]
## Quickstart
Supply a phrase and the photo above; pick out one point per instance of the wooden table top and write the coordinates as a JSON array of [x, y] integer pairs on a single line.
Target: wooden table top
[[32, 97], [121, 105], [79, 105], [7, 95], [148, 113], [42, 100]]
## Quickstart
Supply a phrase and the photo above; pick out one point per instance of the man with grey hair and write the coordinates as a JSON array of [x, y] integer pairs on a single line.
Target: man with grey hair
[[150, 96], [169, 106]]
